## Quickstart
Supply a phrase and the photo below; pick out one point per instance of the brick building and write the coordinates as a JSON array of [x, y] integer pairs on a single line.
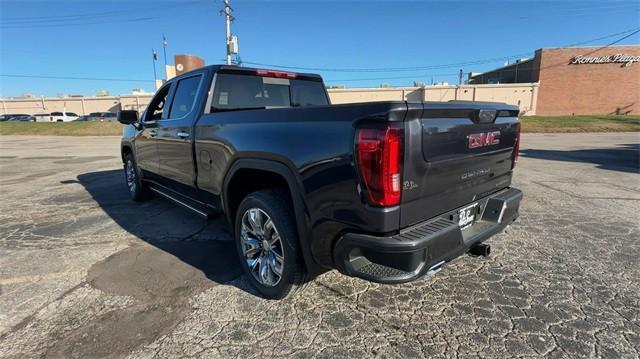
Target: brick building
[[577, 80]]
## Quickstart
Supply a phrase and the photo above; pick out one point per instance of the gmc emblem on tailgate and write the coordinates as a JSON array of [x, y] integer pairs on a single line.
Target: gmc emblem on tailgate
[[482, 139]]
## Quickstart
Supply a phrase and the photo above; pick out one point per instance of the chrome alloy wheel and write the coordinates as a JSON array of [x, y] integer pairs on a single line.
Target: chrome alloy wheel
[[262, 247], [130, 173]]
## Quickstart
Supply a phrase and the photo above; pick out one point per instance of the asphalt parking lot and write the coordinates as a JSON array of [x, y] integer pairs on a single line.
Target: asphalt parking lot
[[85, 272]]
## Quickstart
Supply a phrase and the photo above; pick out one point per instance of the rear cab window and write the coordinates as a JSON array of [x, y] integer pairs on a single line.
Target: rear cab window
[[234, 92]]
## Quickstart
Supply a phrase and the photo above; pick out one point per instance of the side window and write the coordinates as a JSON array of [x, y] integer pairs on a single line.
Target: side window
[[185, 96], [154, 111]]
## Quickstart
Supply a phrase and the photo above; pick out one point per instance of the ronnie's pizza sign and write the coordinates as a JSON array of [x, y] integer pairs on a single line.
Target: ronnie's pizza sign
[[626, 60]]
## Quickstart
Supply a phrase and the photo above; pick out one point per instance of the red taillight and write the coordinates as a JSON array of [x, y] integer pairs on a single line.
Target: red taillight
[[278, 74], [516, 148], [380, 155]]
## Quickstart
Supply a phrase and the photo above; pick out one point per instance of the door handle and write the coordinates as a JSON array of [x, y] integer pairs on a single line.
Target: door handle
[[182, 134], [153, 133]]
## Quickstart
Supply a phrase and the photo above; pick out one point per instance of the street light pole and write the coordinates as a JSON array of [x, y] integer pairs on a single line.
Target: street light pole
[[154, 57], [164, 49]]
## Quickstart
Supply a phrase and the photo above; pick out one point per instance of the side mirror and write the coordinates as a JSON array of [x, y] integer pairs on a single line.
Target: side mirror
[[128, 117]]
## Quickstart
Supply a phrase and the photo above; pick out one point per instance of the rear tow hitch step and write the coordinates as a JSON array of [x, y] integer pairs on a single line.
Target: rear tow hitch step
[[480, 250]]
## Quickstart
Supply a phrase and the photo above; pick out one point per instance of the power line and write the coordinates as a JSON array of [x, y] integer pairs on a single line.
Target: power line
[[392, 78], [431, 67], [597, 49], [73, 78], [88, 16], [333, 80], [388, 69], [139, 19], [564, 63], [508, 70], [54, 23]]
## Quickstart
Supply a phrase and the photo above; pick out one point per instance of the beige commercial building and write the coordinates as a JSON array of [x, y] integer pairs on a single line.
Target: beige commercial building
[[522, 95]]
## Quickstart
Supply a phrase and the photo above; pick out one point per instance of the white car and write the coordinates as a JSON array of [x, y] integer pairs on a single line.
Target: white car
[[43, 117], [56, 117]]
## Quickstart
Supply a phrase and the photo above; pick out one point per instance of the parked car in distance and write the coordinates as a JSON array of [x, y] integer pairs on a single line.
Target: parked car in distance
[[386, 191], [63, 116], [103, 116], [9, 116], [23, 118], [56, 117], [43, 117], [82, 118]]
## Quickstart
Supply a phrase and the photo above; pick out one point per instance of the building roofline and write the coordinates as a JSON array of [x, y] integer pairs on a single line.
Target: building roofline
[[588, 47], [504, 67]]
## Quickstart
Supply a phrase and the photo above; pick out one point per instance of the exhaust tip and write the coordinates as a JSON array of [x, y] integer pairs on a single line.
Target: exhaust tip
[[481, 249]]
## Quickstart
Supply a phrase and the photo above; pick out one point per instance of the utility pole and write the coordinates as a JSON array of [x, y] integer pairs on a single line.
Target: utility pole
[[231, 41], [460, 75], [228, 17]]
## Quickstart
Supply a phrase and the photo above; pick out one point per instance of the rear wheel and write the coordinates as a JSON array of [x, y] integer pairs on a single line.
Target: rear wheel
[[267, 243], [137, 189]]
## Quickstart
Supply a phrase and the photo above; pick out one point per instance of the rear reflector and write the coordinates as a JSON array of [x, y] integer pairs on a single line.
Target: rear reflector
[[278, 74], [516, 148], [379, 151]]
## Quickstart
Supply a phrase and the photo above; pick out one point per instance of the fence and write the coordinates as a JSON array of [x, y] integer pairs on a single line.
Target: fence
[[522, 95]]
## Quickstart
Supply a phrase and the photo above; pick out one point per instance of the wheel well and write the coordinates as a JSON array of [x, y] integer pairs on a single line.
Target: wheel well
[[245, 181], [125, 151]]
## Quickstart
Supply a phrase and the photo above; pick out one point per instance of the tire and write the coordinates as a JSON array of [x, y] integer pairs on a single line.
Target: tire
[[138, 190], [274, 205]]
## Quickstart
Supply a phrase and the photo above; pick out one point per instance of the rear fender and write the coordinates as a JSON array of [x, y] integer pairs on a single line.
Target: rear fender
[[301, 212]]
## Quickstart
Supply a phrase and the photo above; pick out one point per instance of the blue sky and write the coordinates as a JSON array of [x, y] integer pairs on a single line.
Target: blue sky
[[113, 39]]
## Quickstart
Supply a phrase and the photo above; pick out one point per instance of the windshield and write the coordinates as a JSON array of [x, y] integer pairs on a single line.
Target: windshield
[[244, 92]]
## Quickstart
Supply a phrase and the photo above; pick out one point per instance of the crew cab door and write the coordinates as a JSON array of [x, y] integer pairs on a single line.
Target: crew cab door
[[146, 148], [175, 138]]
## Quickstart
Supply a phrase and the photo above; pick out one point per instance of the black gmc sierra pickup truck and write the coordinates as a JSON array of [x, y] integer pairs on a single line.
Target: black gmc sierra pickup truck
[[386, 191]]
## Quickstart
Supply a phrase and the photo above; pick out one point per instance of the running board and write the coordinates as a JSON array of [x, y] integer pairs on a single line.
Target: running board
[[195, 207]]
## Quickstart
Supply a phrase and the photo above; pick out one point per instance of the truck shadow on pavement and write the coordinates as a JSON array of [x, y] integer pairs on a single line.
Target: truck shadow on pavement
[[624, 157], [204, 246]]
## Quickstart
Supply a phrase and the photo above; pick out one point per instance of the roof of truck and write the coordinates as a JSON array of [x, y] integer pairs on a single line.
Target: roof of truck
[[234, 68]]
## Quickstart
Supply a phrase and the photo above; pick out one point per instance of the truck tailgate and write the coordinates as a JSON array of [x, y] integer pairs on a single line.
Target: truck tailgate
[[455, 153]]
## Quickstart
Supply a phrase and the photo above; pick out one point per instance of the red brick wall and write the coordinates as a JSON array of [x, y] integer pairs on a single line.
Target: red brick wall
[[587, 89]]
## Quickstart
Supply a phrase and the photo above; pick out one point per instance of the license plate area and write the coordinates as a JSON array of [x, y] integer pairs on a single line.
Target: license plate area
[[467, 215]]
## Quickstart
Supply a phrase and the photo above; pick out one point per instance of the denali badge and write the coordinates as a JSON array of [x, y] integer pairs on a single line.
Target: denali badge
[[475, 173], [476, 140]]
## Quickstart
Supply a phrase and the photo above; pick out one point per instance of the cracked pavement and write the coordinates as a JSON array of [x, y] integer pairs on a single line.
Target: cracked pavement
[[85, 272]]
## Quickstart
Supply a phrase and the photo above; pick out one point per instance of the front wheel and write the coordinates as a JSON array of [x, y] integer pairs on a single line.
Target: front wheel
[[267, 243], [137, 189]]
